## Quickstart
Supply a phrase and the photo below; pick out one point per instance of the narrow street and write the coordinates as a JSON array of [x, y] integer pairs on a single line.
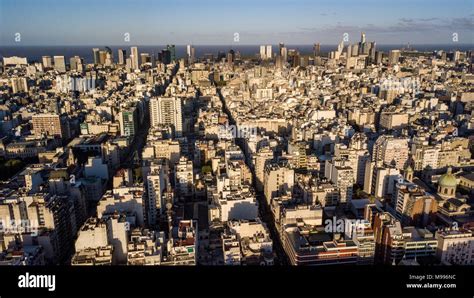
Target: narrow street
[[264, 210]]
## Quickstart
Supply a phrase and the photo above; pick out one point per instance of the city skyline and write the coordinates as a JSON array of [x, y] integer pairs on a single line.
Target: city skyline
[[215, 23], [209, 135]]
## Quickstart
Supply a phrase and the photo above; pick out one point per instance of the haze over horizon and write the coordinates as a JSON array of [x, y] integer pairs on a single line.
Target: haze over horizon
[[212, 22]]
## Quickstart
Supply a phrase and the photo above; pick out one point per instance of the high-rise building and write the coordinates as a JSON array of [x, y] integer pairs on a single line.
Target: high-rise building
[[155, 187], [393, 118], [455, 247], [262, 52], [372, 51], [95, 52], [172, 49], [165, 56], [269, 52], [76, 63], [128, 64], [278, 181], [356, 154], [266, 52], [413, 206], [390, 150], [184, 177], [47, 62], [122, 54], [145, 58], [389, 244], [339, 172], [362, 45], [134, 58], [190, 53], [102, 57], [261, 159], [128, 120], [284, 54], [59, 63], [349, 51], [19, 85], [378, 57], [168, 111], [382, 181], [355, 50], [317, 49], [393, 57]]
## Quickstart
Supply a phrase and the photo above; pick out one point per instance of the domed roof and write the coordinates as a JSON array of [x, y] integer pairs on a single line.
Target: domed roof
[[448, 179]]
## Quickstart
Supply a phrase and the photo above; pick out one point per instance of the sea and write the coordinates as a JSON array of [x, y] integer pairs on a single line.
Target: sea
[[35, 53]]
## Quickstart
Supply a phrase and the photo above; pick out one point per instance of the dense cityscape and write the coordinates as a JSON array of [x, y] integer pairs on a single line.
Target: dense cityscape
[[352, 156]]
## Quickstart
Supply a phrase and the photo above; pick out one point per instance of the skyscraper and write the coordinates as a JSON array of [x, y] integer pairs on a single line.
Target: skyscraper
[[172, 49], [363, 44], [134, 58], [47, 62], [75, 63], [393, 57], [265, 52], [262, 52], [121, 56], [102, 57], [284, 54], [165, 56], [269, 51], [95, 52], [317, 49], [280, 47], [59, 63], [190, 53], [372, 51]]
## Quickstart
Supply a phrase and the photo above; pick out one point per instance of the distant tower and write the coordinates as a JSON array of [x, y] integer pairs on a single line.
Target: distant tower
[[317, 49], [172, 49], [269, 52], [280, 47], [96, 51], [121, 56], [190, 53], [134, 58], [408, 173]]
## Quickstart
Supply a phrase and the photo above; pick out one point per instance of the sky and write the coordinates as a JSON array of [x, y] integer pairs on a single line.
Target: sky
[[216, 22]]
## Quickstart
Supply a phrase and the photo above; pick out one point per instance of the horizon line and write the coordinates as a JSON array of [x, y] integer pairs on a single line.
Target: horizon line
[[273, 44]]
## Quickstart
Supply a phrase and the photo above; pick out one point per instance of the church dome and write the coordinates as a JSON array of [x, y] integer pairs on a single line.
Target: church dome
[[447, 180]]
